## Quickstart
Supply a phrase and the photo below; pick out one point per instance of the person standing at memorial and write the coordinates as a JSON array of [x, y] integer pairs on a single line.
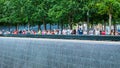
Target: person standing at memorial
[[80, 31], [97, 32]]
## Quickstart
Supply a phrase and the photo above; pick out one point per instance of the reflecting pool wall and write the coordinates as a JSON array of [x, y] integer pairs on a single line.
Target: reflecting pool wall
[[54, 53]]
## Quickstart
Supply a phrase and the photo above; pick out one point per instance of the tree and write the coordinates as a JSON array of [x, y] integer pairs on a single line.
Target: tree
[[110, 7]]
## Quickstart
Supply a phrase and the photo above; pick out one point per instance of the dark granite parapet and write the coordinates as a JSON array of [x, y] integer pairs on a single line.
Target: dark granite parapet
[[78, 37]]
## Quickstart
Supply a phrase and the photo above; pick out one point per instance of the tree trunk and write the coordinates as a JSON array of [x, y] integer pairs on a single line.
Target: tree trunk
[[88, 22], [50, 27], [62, 26], [9, 27], [28, 26], [58, 25], [70, 24], [44, 25], [17, 27], [110, 20], [114, 28], [104, 25], [38, 27], [24, 26]]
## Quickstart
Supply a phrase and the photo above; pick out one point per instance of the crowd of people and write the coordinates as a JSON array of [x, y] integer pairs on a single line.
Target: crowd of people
[[78, 31]]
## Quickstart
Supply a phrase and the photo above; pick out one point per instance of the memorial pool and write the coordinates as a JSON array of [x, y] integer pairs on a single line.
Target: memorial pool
[[58, 53]]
